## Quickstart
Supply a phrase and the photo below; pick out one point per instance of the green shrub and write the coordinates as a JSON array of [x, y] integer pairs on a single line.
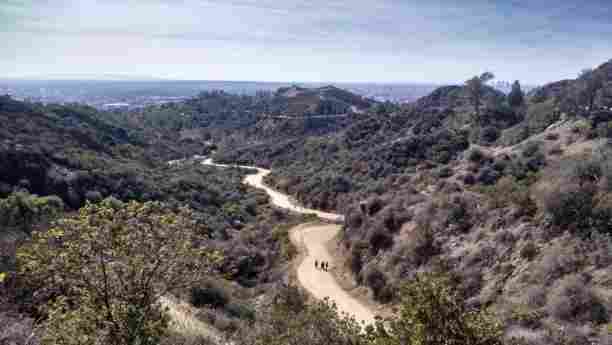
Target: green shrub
[[209, 294], [281, 234], [604, 130], [21, 210], [475, 156], [287, 322], [531, 148], [529, 251], [583, 128], [583, 170], [571, 205], [377, 281], [240, 311], [489, 134], [433, 311], [379, 239], [500, 165], [515, 135], [487, 176], [459, 214], [510, 192], [422, 246], [356, 258], [374, 205], [444, 172]]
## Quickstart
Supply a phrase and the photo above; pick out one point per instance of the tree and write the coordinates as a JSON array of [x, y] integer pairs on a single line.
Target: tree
[[109, 267], [516, 97], [476, 90], [433, 312], [591, 82]]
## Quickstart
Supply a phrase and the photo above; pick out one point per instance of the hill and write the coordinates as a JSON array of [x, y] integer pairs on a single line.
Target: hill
[[513, 201], [327, 100], [54, 159], [507, 195]]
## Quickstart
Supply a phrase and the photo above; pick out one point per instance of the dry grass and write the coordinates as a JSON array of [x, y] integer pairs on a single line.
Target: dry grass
[[184, 321]]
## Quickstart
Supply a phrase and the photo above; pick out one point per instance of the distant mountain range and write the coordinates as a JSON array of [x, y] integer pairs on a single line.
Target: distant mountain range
[[106, 90], [98, 92]]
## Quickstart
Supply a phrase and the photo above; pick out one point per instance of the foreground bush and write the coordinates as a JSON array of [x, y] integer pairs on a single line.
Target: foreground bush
[[291, 320], [109, 266], [433, 312]]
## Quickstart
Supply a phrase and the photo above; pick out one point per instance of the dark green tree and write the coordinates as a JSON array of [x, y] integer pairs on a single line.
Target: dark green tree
[[591, 81], [516, 97], [476, 89]]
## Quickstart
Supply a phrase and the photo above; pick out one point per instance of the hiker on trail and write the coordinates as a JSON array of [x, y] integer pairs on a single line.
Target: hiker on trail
[[317, 264]]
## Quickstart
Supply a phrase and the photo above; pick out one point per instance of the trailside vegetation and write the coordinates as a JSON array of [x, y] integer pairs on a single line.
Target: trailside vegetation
[[105, 271]]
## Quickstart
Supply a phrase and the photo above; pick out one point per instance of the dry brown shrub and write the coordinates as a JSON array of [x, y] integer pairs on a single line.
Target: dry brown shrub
[[557, 261], [573, 299]]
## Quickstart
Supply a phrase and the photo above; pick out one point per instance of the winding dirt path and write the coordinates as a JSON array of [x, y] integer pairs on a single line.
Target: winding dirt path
[[313, 239]]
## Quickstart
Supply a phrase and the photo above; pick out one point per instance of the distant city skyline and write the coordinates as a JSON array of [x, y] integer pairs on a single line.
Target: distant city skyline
[[384, 41]]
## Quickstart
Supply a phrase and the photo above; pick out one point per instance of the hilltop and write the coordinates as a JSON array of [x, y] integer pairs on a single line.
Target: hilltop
[[326, 100]]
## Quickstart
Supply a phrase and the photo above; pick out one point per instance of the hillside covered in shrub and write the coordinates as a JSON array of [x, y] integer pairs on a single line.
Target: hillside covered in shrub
[[492, 211], [59, 160], [509, 193]]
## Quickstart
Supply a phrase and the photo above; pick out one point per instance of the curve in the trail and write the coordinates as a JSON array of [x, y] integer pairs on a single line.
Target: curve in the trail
[[278, 199], [313, 238]]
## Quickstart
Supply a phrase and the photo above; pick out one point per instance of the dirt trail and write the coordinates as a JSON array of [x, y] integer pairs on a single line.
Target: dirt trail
[[313, 239], [279, 199]]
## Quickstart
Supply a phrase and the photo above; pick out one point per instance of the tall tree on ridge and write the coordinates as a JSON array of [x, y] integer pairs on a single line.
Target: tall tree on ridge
[[476, 90], [592, 82], [516, 97]]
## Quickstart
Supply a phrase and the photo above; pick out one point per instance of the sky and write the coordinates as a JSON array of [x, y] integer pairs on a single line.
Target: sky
[[437, 41]]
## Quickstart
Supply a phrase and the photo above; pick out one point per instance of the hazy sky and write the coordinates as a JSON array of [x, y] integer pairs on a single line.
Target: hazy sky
[[306, 40]]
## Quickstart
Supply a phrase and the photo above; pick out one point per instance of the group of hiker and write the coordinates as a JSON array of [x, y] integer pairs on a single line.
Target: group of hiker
[[324, 265]]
